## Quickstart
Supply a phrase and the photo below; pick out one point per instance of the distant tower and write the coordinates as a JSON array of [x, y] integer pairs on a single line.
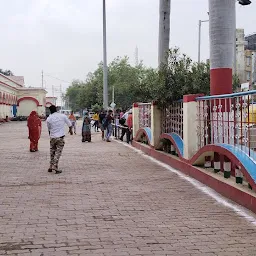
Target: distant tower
[[136, 56]]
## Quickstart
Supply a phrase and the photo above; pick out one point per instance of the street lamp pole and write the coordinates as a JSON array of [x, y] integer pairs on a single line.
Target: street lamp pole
[[105, 67], [199, 39]]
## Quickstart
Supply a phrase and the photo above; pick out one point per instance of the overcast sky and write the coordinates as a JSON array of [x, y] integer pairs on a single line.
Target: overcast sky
[[64, 37]]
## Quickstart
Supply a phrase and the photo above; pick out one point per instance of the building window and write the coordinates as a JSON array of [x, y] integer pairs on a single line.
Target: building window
[[248, 76], [248, 61]]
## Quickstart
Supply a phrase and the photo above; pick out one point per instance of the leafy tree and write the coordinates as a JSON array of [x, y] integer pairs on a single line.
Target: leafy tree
[[177, 77], [96, 107], [236, 83], [73, 94], [131, 84], [180, 76], [6, 72]]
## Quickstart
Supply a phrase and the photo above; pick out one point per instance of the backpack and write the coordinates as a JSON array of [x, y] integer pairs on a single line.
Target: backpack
[[105, 122], [122, 121]]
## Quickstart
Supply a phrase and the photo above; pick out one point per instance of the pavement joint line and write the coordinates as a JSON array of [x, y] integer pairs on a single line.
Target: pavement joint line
[[239, 210]]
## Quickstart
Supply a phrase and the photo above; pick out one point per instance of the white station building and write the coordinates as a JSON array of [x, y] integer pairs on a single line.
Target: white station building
[[18, 100]]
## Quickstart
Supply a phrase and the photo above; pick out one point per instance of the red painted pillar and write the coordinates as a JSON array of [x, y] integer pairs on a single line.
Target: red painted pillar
[[222, 44]]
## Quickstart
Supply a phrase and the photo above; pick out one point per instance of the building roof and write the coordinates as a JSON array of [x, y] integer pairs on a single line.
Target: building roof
[[18, 79], [31, 89], [10, 78]]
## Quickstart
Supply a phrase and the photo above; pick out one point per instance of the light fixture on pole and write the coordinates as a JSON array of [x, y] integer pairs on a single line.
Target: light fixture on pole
[[244, 2], [105, 67]]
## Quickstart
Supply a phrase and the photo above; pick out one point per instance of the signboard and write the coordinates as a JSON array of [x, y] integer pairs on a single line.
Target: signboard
[[245, 87], [112, 105]]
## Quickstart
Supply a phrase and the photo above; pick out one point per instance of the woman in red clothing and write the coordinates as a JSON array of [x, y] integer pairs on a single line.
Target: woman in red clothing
[[34, 128]]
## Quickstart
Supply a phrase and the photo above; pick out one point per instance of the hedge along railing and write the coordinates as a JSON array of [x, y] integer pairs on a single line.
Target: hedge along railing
[[172, 118], [229, 119], [144, 115]]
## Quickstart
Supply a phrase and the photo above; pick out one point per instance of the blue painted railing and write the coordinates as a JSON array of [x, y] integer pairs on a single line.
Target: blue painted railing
[[226, 96]]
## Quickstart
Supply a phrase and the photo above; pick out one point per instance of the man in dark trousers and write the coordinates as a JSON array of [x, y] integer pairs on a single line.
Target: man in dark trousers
[[56, 126], [102, 116]]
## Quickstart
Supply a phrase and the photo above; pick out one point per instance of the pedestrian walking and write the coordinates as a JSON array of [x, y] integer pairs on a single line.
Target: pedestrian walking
[[95, 118], [102, 117], [86, 129], [34, 129], [108, 124], [123, 122], [56, 126], [72, 119]]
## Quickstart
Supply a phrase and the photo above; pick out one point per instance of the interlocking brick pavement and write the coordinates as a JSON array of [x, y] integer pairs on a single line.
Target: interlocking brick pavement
[[108, 201]]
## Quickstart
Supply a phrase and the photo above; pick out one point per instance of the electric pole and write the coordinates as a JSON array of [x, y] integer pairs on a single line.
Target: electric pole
[[136, 56], [164, 30], [60, 96], [113, 94], [105, 67], [42, 79]]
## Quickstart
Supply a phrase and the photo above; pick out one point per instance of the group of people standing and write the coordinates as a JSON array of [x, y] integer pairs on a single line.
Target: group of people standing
[[127, 123], [56, 127], [103, 120]]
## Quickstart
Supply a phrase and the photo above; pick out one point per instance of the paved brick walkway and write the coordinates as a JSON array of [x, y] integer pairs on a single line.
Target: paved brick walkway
[[108, 201]]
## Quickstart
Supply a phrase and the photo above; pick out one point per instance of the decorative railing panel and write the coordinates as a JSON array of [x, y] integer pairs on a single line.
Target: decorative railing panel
[[144, 115], [229, 119], [172, 118]]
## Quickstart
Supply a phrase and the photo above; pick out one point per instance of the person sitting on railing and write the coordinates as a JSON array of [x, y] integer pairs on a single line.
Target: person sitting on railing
[[122, 122], [129, 124], [107, 124]]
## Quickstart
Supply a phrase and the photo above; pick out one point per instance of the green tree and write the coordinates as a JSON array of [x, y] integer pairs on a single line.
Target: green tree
[[131, 84], [180, 76], [96, 107], [6, 72], [142, 84], [73, 94], [236, 83]]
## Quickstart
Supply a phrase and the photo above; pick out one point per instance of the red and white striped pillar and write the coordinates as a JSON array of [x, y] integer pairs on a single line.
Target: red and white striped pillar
[[207, 162], [238, 175], [216, 163], [222, 16], [227, 167]]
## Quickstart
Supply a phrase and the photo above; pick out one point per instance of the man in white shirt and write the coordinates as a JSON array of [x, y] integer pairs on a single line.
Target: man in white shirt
[[56, 127]]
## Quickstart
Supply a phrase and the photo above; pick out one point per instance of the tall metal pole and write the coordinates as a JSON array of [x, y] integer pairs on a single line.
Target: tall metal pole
[[42, 79], [105, 67], [199, 41], [222, 34], [235, 68], [60, 96], [113, 94], [164, 31]]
